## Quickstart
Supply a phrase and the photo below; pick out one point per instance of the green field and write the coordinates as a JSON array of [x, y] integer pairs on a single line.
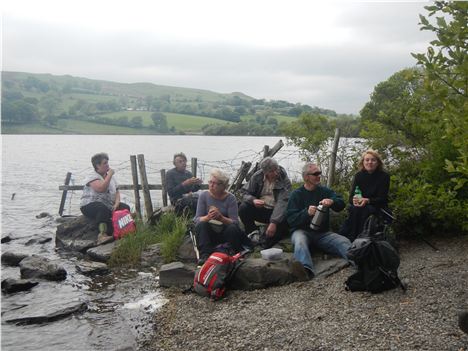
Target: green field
[[182, 123]]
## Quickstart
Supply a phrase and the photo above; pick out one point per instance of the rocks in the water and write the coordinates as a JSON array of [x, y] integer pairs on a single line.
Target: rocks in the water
[[257, 273], [43, 214], [101, 253], [12, 258], [41, 267], [151, 256], [10, 285], [77, 234], [43, 313], [5, 239], [176, 274], [92, 268], [37, 241]]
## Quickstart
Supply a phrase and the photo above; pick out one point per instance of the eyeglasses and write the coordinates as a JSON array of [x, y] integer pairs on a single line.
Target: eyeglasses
[[214, 183], [315, 174]]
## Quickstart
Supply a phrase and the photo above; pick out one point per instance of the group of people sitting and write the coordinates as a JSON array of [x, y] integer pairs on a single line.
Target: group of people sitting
[[267, 201]]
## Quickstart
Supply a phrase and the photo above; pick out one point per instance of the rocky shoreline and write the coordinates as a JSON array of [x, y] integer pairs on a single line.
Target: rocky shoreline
[[321, 315]]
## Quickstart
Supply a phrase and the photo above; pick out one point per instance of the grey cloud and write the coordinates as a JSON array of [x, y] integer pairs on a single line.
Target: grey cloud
[[335, 77]]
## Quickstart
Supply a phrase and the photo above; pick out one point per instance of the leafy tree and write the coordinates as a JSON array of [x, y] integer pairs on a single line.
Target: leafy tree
[[136, 122], [160, 122], [446, 66], [308, 133], [419, 118]]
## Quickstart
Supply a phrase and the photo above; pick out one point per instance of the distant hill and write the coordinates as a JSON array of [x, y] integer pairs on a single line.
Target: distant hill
[[46, 103]]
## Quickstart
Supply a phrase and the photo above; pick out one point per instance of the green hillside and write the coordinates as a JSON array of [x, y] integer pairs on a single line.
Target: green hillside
[[46, 103]]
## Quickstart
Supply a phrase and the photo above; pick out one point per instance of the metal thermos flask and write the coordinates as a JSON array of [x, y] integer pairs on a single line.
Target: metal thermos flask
[[318, 218]]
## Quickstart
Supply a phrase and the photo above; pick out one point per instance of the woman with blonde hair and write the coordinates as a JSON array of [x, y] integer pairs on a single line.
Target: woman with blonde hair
[[368, 193], [217, 218]]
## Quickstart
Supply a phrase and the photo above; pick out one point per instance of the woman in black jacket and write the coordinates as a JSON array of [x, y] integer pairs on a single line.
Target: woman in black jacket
[[368, 194]]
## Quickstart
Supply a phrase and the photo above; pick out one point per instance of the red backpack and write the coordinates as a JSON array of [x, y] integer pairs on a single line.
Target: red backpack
[[123, 223], [211, 279]]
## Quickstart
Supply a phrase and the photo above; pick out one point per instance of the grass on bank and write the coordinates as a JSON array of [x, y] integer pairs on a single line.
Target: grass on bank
[[169, 232]]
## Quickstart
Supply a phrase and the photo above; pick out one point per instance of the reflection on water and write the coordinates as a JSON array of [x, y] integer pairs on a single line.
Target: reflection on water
[[121, 304]]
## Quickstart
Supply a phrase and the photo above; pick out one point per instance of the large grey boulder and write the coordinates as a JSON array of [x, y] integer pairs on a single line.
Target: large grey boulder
[[257, 273], [35, 314], [186, 252], [12, 258], [10, 285], [77, 234], [101, 253], [41, 267], [176, 274]]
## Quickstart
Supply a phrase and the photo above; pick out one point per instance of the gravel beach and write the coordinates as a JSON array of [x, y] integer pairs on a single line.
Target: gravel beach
[[322, 315]]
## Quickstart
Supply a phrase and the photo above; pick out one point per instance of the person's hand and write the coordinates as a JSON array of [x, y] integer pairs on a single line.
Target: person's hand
[[110, 172], [271, 230], [326, 202], [214, 213], [116, 205], [360, 202], [258, 203], [191, 181], [311, 210]]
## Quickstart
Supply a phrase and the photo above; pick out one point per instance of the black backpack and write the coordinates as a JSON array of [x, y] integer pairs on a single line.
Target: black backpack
[[376, 259]]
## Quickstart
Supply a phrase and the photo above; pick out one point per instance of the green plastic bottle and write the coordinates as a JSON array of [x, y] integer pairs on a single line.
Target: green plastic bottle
[[357, 193]]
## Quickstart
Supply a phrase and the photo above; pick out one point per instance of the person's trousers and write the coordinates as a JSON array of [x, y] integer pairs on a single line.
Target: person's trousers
[[304, 241], [208, 239], [100, 213], [248, 214], [354, 223]]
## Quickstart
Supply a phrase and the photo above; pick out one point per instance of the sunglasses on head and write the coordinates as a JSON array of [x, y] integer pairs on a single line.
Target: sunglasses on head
[[315, 173]]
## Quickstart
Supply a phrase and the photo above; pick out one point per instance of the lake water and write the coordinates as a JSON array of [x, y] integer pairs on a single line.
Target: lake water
[[119, 305]]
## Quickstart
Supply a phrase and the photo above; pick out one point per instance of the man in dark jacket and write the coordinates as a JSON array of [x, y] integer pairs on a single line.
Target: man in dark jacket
[[302, 207], [181, 183], [265, 198]]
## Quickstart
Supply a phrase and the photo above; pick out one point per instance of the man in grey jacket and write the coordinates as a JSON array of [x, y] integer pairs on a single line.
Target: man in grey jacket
[[265, 199]]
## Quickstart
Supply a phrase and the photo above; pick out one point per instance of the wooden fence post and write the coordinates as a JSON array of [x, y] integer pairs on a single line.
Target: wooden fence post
[[136, 186], [164, 188], [272, 152], [64, 193], [240, 176], [331, 168], [194, 166], [145, 187], [266, 151]]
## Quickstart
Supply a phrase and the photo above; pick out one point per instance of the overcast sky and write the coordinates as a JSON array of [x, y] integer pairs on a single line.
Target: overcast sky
[[326, 54]]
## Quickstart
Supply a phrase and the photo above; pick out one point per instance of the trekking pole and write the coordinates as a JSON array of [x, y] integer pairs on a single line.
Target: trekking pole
[[194, 242]]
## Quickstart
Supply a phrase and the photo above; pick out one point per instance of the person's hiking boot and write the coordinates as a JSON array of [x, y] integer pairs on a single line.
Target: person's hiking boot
[[103, 237], [463, 320], [254, 237], [300, 272]]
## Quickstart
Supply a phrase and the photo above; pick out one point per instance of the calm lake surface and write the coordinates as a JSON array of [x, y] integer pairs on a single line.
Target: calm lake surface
[[119, 305]]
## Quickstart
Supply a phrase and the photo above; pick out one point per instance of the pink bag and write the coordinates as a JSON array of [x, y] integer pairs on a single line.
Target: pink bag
[[123, 223]]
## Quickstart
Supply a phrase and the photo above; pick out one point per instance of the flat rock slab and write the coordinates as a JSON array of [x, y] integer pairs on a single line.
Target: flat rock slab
[[101, 253], [257, 273], [325, 268], [41, 267], [176, 274], [77, 234], [12, 258], [92, 269], [36, 314], [10, 286]]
